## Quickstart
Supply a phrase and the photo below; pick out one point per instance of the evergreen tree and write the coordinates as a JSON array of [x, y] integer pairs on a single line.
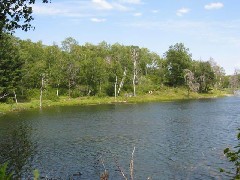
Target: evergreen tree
[[10, 65]]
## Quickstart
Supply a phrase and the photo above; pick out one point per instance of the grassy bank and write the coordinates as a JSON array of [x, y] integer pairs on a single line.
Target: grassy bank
[[169, 94]]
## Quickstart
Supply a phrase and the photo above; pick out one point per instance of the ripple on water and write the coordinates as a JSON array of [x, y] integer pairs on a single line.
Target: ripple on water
[[175, 140]]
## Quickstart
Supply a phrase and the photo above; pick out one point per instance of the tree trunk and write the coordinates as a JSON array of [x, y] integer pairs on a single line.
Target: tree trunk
[[134, 58], [69, 88], [15, 97], [41, 91], [115, 89], [3, 96], [57, 89], [122, 81], [134, 86]]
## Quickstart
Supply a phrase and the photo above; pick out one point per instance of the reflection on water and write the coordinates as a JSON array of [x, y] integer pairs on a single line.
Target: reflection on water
[[17, 149], [175, 140]]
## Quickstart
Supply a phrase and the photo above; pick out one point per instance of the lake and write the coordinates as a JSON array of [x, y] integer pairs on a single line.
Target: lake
[[173, 140]]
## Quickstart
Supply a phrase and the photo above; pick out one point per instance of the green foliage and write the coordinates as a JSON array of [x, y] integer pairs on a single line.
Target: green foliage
[[15, 14], [9, 100], [10, 64], [33, 93], [204, 75], [234, 157], [75, 93], [178, 58], [36, 174], [4, 175], [91, 70], [146, 85], [50, 94], [23, 98]]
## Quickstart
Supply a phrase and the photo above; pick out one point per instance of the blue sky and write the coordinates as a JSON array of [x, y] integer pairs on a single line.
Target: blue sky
[[208, 28]]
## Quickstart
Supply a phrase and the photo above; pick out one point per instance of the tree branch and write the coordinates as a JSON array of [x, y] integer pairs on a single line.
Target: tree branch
[[5, 95]]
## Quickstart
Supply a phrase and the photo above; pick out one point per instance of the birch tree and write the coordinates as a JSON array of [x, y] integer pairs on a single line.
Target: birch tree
[[135, 54]]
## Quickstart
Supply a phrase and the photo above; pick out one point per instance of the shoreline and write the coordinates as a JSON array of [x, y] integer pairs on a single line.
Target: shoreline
[[158, 96]]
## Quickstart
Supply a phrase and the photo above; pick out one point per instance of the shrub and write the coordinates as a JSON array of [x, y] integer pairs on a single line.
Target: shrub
[[3, 172], [234, 157]]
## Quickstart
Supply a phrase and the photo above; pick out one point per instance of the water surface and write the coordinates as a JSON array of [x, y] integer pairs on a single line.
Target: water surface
[[174, 140]]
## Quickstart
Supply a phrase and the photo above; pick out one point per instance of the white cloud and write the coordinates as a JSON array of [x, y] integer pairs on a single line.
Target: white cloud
[[182, 11], [102, 4], [131, 1], [98, 20], [120, 7], [137, 14], [47, 10], [155, 11], [61, 9], [215, 31], [180, 26], [78, 9], [211, 6]]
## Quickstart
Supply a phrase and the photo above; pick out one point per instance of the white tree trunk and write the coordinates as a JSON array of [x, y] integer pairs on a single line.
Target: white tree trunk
[[115, 89], [122, 81], [69, 88], [41, 91], [58, 88], [134, 86], [134, 58], [15, 97]]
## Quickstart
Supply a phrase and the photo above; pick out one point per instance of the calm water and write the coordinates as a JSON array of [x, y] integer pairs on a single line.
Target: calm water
[[174, 140]]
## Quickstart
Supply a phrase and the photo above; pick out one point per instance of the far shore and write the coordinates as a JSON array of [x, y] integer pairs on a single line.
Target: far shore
[[158, 96]]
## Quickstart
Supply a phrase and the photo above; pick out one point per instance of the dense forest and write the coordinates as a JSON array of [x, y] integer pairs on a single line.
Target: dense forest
[[28, 69]]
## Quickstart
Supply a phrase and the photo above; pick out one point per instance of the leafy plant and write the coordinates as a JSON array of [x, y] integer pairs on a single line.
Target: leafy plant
[[36, 174], [234, 157], [3, 172]]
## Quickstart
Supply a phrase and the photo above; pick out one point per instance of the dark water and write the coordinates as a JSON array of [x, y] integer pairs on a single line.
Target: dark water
[[174, 140]]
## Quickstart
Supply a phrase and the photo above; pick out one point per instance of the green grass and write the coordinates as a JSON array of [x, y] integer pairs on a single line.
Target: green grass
[[166, 94]]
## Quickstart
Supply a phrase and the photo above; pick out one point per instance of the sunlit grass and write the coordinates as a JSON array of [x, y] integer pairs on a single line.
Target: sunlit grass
[[167, 94]]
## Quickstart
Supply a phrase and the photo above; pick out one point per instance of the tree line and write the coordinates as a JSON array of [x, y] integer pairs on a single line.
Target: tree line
[[70, 69]]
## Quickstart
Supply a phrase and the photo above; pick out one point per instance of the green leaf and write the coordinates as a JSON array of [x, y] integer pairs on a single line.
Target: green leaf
[[3, 172], [36, 174], [226, 150], [221, 170]]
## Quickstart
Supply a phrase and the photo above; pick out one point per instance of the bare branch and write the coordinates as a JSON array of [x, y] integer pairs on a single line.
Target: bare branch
[[119, 168], [105, 175], [131, 165], [190, 80], [5, 95]]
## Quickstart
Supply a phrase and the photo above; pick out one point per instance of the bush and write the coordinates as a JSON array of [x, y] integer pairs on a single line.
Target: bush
[[23, 98], [10, 100], [33, 93], [50, 94], [3, 172], [234, 157]]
